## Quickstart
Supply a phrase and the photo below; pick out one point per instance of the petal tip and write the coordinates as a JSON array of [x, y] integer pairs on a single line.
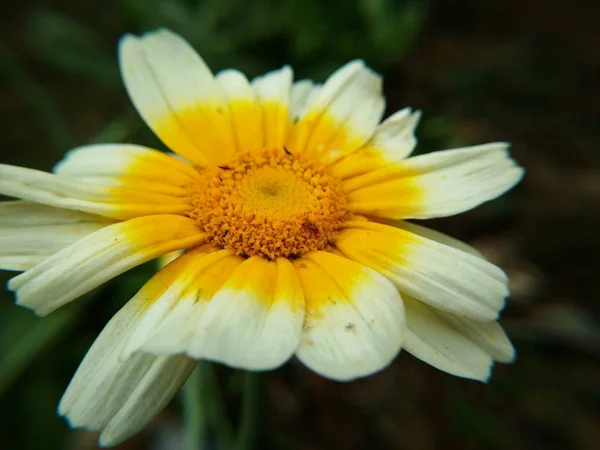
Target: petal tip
[[72, 423], [158, 33], [126, 44], [415, 118], [127, 37], [106, 440], [482, 374], [485, 377], [509, 355], [63, 409]]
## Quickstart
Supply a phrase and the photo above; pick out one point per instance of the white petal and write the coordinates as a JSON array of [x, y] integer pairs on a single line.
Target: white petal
[[121, 202], [127, 164], [165, 259], [99, 257], [354, 317], [254, 321], [392, 142], [395, 137], [120, 397], [244, 313], [175, 298], [437, 184], [29, 214], [30, 232], [489, 336], [89, 400], [304, 93], [437, 274], [455, 345], [344, 114], [151, 394], [177, 95], [459, 180], [436, 236], [273, 92], [20, 263]]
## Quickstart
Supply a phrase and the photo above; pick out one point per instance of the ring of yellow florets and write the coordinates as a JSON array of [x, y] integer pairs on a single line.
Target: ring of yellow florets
[[269, 203]]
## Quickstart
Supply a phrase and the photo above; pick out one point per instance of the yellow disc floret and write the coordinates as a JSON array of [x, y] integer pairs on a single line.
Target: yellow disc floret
[[269, 203]]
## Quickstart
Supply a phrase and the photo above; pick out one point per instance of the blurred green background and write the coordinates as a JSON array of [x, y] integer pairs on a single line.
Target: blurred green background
[[523, 71]]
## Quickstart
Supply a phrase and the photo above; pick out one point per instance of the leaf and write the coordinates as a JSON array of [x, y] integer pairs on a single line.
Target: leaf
[[24, 336]]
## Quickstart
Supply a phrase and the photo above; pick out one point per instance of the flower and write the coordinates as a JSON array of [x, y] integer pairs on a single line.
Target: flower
[[290, 199]]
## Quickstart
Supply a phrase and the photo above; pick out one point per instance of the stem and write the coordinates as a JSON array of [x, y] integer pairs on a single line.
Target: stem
[[194, 408], [248, 429], [219, 417]]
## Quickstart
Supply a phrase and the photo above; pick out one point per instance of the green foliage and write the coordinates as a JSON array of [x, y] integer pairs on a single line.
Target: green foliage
[[311, 34], [23, 337], [71, 46]]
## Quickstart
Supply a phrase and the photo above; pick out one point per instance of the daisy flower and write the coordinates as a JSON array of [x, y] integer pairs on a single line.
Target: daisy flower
[[290, 200]]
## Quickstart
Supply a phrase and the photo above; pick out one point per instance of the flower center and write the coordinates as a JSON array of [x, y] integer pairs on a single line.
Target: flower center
[[269, 203]]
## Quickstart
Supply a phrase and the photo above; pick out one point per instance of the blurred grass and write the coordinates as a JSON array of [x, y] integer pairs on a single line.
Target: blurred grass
[[34, 96], [23, 337]]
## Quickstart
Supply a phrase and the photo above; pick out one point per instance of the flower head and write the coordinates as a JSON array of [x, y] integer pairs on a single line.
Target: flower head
[[289, 199]]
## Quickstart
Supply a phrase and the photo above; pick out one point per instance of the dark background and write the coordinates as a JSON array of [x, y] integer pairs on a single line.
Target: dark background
[[523, 71]]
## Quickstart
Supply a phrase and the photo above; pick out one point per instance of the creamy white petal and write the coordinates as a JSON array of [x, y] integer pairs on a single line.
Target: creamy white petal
[[344, 114], [150, 395], [392, 142], [92, 397], [273, 92], [44, 240], [174, 326], [437, 184], [489, 336], [439, 275], [20, 263], [254, 321], [119, 397], [354, 317], [175, 92], [165, 259], [395, 137], [122, 202], [304, 93], [434, 235], [20, 214], [459, 346], [30, 232], [127, 164], [244, 313], [99, 257], [176, 297]]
